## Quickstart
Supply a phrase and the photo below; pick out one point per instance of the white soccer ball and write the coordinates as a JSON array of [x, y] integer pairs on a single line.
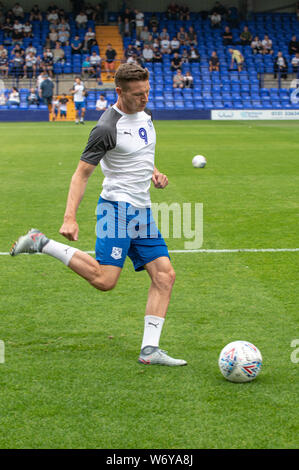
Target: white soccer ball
[[240, 361], [199, 161]]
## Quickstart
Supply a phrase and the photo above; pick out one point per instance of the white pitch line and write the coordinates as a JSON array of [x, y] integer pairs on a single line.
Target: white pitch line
[[236, 250]]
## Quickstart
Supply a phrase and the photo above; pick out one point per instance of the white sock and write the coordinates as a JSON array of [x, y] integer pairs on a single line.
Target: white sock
[[60, 251], [152, 330]]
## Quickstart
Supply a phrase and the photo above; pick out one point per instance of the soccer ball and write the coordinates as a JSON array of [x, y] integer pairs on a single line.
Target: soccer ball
[[199, 161], [240, 361]]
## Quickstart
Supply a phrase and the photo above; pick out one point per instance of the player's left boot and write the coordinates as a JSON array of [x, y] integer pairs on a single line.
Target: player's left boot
[[154, 355], [32, 242]]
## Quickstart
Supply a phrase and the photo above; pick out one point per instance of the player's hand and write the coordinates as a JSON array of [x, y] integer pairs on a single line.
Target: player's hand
[[70, 230], [160, 181]]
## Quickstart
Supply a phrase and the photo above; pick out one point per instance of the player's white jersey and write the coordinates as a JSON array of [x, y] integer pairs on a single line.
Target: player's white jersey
[[79, 95], [124, 144]]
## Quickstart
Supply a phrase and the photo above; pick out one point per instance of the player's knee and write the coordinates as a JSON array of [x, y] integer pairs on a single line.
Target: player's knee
[[164, 280], [103, 284]]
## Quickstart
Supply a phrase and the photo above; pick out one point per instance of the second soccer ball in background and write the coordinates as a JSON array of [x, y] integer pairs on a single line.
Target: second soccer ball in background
[[199, 161]]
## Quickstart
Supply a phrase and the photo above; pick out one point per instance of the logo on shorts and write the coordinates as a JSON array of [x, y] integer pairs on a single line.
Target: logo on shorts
[[116, 252]]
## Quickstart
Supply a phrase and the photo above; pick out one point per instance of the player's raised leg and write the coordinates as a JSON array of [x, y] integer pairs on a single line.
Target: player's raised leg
[[162, 277], [102, 277]]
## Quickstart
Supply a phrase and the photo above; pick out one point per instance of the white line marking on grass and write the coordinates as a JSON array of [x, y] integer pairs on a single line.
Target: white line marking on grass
[[237, 250]]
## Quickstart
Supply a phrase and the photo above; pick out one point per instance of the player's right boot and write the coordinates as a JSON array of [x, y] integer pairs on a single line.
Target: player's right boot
[[32, 242], [154, 355]]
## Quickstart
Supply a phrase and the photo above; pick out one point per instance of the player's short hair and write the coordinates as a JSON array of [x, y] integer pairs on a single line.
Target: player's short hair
[[129, 73]]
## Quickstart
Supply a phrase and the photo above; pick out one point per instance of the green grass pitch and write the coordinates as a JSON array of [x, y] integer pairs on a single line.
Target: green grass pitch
[[71, 377]]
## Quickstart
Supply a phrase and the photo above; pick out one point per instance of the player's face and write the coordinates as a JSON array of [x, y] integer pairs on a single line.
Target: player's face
[[134, 97]]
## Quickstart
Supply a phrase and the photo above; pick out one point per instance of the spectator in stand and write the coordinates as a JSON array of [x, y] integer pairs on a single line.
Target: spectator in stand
[[81, 20], [76, 45], [130, 51], [194, 55], [89, 11], [236, 57], [295, 63], [3, 50], [256, 45], [178, 79], [53, 36], [293, 45], [14, 97], [86, 67], [27, 30], [52, 15], [188, 80], [245, 37], [156, 44], [227, 36], [139, 21], [184, 13], [17, 33], [173, 11], [30, 65], [280, 66], [63, 36], [185, 56], [7, 29], [18, 11], [214, 62], [101, 103], [165, 46], [33, 97], [47, 62], [157, 55], [153, 21], [176, 62], [3, 64], [95, 62], [215, 19], [126, 29], [164, 34], [144, 35], [182, 36], [30, 48], [35, 14], [89, 40], [147, 53], [58, 54], [19, 49], [2, 99], [191, 36], [110, 60], [17, 65], [155, 33], [175, 45], [267, 45]]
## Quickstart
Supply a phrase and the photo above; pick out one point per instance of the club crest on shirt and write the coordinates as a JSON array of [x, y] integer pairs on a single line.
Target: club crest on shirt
[[116, 252], [150, 123]]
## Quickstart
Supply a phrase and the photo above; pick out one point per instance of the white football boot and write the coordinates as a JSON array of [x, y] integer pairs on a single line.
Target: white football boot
[[32, 242], [153, 355]]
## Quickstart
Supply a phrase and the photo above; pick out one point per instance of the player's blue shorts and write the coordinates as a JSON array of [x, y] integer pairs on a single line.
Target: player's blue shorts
[[79, 105], [124, 230]]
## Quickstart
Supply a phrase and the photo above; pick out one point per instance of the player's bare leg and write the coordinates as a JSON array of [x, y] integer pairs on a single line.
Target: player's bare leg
[[162, 277], [102, 277]]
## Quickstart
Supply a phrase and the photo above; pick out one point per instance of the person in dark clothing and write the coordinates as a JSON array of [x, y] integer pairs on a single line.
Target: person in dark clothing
[[46, 92], [280, 65]]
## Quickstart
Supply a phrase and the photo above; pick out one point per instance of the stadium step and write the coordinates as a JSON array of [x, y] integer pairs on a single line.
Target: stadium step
[[109, 35]]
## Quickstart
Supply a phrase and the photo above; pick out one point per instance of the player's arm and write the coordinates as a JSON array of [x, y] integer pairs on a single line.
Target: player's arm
[[159, 179], [69, 228]]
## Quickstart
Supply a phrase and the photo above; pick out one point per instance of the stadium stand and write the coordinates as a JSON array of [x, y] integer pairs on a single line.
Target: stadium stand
[[239, 87]]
